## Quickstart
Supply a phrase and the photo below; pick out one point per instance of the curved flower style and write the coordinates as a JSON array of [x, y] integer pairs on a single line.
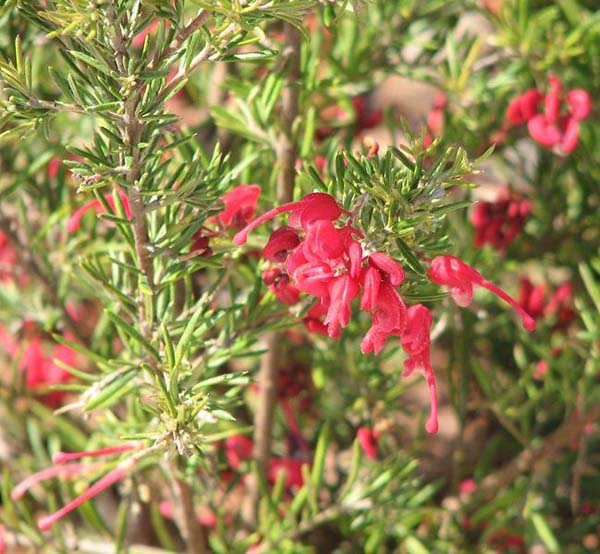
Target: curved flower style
[[66, 470], [74, 222], [461, 278], [312, 207]]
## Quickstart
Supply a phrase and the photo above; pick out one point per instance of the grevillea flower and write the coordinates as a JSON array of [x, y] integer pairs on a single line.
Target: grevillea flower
[[292, 469], [66, 470], [435, 118], [240, 206], [468, 486], [41, 371], [140, 38], [327, 262], [498, 223], [281, 242], [8, 258], [365, 116], [558, 306], [540, 371], [532, 298], [461, 278], [367, 438], [239, 448], [417, 344], [53, 167], [279, 284], [522, 108], [74, 222], [557, 125], [204, 515]]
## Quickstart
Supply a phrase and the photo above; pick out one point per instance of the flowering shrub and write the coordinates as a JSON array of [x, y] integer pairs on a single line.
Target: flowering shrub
[[231, 232]]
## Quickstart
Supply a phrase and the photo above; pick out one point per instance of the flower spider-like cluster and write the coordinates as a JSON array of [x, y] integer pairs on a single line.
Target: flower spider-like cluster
[[65, 468], [314, 256]]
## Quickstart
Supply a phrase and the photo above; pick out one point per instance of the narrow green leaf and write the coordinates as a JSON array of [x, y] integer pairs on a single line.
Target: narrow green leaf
[[545, 533], [111, 393], [411, 260], [133, 333], [319, 459]]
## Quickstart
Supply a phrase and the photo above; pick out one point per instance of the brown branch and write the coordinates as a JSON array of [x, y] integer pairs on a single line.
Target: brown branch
[[529, 459], [267, 378], [192, 531], [287, 150], [181, 37], [132, 135]]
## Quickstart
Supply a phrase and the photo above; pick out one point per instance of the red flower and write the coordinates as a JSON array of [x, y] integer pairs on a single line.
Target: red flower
[[460, 278], [240, 206], [292, 469], [524, 107], [41, 371], [279, 284], [8, 258], [468, 486], [140, 38], [342, 290], [238, 449], [281, 242], [435, 118], [558, 124], [498, 223], [367, 438], [365, 116], [532, 298], [416, 343], [75, 222]]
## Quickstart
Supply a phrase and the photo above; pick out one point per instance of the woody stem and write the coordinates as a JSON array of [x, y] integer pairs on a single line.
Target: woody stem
[[267, 378]]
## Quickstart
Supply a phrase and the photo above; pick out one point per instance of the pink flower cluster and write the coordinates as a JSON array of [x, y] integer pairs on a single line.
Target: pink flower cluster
[[557, 123], [327, 262], [498, 223], [312, 255]]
